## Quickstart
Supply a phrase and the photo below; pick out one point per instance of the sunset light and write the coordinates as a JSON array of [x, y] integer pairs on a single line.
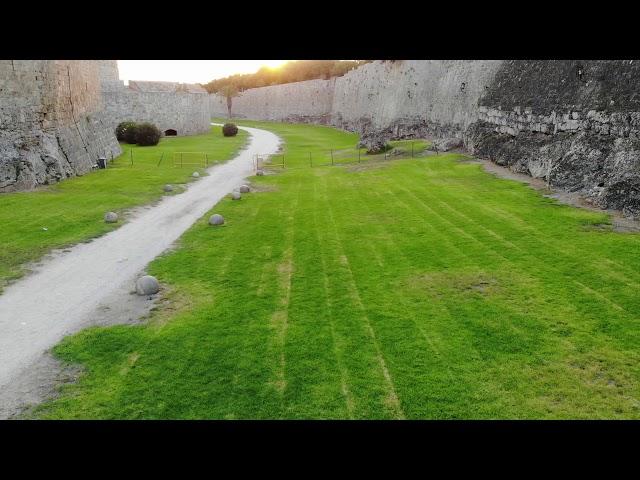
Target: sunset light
[[190, 71]]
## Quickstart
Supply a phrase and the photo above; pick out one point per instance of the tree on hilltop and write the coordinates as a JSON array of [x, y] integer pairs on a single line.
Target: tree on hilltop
[[294, 71], [229, 91]]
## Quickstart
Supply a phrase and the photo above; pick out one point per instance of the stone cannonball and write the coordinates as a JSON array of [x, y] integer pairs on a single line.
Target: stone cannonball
[[216, 219], [244, 189], [111, 217], [195, 174], [168, 188], [147, 285], [235, 195]]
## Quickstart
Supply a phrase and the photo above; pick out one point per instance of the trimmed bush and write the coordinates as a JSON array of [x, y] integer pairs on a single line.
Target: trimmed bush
[[229, 130], [126, 132], [147, 134]]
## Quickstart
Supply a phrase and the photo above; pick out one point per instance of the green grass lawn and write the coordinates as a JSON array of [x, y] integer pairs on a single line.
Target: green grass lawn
[[419, 288], [72, 211]]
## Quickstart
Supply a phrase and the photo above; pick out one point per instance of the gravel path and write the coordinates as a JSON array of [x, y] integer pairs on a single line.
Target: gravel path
[[90, 284]]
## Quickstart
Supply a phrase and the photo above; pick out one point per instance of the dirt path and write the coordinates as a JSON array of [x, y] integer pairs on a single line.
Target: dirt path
[[91, 283]]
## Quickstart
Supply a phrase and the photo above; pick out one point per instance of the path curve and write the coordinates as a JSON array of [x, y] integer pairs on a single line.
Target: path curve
[[68, 290]]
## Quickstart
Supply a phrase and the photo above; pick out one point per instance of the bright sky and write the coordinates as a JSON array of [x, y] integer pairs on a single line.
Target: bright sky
[[188, 71]]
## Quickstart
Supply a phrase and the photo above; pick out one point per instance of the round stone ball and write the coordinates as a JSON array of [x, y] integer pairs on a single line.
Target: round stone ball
[[260, 173], [235, 195], [168, 188], [244, 189], [147, 285], [195, 174], [216, 219], [111, 217]]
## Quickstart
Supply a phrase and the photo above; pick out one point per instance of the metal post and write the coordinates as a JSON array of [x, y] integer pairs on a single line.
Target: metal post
[[332, 156], [161, 156], [131, 155], [206, 160], [282, 161]]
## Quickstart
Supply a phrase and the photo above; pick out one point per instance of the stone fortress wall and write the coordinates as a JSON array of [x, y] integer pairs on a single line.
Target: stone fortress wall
[[308, 101], [169, 105], [51, 122], [377, 96], [574, 123]]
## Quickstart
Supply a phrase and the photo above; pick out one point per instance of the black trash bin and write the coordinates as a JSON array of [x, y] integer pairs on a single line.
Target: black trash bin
[[102, 162]]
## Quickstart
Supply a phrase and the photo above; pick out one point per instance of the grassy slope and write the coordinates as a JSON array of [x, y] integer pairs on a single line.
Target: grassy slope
[[73, 210], [417, 288]]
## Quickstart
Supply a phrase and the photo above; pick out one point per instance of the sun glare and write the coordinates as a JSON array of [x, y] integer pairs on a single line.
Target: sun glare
[[190, 71], [274, 64]]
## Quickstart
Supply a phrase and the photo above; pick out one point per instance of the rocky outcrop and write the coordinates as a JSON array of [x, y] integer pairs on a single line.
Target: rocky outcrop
[[446, 144], [51, 122], [575, 124]]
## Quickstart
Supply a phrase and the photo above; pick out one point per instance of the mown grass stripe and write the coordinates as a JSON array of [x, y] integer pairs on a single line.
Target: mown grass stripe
[[393, 402]]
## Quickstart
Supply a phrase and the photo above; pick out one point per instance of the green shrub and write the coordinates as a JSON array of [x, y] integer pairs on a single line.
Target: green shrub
[[147, 134], [126, 132], [229, 130]]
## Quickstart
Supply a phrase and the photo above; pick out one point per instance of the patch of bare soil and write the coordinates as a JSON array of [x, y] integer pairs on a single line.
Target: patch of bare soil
[[442, 284], [261, 188], [368, 165], [38, 382]]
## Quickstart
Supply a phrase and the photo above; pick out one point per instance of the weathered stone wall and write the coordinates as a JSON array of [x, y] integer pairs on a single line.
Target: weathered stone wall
[[308, 101], [411, 97], [401, 97], [217, 106], [181, 107], [51, 122], [574, 123]]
